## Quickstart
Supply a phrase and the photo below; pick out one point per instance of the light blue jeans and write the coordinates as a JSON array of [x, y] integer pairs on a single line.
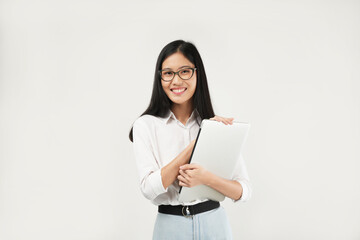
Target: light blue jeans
[[209, 225]]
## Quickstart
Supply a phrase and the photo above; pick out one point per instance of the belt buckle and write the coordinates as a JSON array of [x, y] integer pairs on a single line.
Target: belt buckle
[[188, 214]]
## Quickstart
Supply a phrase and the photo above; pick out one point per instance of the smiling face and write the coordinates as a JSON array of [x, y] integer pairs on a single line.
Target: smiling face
[[179, 91]]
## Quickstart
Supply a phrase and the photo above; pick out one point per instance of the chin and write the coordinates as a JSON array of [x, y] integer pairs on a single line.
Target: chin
[[179, 102]]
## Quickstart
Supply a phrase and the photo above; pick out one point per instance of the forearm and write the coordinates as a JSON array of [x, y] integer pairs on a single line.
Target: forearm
[[230, 188], [170, 171]]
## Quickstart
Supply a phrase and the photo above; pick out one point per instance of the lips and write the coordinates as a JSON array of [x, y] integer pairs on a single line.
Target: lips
[[178, 90]]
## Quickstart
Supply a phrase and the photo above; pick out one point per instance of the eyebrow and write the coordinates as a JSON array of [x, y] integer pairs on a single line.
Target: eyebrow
[[178, 68]]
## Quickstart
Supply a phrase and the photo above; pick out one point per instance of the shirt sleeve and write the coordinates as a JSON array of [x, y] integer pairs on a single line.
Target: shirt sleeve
[[149, 171], [241, 175]]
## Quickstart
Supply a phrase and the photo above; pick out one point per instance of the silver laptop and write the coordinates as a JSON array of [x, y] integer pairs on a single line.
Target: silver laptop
[[217, 148]]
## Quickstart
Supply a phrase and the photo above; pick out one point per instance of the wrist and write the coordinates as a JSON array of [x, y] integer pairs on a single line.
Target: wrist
[[208, 179]]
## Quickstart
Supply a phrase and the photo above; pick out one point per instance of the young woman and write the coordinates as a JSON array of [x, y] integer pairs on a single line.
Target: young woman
[[163, 138]]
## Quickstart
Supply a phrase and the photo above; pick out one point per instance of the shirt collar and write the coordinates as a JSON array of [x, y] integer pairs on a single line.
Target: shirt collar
[[170, 114]]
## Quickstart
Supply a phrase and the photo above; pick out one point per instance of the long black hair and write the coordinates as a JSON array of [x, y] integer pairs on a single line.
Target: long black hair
[[160, 103]]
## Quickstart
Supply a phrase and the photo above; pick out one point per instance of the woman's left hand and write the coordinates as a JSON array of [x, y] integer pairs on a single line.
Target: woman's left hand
[[224, 120], [192, 175]]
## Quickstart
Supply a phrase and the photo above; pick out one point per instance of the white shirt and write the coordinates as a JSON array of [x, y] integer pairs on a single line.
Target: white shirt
[[156, 142]]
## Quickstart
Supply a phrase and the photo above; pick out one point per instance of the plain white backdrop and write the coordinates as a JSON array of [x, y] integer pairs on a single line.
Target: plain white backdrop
[[75, 75]]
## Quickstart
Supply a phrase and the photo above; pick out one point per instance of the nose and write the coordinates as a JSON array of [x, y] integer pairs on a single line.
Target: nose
[[177, 79]]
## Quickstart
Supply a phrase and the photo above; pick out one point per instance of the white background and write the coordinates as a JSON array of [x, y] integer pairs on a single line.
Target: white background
[[74, 75]]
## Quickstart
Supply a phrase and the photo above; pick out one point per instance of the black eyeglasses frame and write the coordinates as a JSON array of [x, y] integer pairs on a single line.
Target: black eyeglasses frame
[[193, 71]]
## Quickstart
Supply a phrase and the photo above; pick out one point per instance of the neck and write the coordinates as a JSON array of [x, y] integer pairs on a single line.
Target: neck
[[182, 111]]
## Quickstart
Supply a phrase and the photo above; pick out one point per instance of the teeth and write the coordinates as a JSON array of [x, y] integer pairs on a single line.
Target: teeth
[[178, 90]]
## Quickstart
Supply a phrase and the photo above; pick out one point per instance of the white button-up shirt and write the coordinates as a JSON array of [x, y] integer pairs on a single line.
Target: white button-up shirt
[[156, 142]]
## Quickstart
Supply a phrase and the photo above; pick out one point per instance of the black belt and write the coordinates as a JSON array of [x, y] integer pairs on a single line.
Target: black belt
[[185, 210]]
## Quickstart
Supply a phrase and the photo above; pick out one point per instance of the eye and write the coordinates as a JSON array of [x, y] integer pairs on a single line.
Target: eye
[[185, 71], [167, 73]]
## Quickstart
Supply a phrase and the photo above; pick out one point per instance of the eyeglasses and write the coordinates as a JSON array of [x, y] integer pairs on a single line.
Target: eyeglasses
[[184, 74]]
